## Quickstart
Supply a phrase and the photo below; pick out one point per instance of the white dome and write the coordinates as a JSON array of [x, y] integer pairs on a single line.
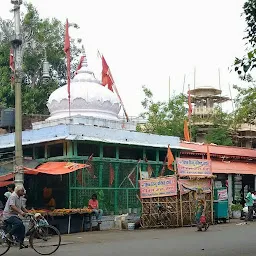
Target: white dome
[[87, 98]]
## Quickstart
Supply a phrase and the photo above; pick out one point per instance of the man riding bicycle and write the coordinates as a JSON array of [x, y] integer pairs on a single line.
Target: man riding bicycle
[[12, 210]]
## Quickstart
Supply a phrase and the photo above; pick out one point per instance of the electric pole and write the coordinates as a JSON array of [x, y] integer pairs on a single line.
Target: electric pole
[[17, 49]]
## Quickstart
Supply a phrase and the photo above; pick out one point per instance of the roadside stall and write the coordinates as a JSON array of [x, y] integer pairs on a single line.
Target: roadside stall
[[194, 175], [47, 188], [171, 201]]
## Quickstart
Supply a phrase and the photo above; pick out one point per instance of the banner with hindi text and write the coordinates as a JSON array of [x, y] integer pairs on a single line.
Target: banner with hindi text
[[194, 167], [159, 187]]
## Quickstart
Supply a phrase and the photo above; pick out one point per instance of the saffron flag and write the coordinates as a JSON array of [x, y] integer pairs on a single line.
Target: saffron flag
[[170, 159], [111, 175], [208, 152], [164, 167], [189, 104], [149, 168], [106, 76], [12, 66], [186, 131], [90, 167], [67, 52], [80, 63], [11, 60]]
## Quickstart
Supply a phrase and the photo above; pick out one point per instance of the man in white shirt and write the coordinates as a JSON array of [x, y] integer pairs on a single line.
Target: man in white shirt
[[12, 210]]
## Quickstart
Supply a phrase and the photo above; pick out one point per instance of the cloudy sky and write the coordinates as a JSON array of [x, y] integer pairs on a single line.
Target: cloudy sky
[[146, 41]]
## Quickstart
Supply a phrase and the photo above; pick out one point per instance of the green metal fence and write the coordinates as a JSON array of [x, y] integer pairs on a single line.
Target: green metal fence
[[115, 183]]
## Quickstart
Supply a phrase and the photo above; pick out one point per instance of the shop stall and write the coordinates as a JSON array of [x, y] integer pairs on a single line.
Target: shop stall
[[170, 201]]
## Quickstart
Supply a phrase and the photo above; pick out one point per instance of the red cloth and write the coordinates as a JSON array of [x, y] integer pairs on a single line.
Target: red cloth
[[106, 76], [111, 175], [55, 168], [170, 158], [94, 204], [186, 131]]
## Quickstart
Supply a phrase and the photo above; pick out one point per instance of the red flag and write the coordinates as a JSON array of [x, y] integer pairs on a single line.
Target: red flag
[[186, 131], [79, 177], [189, 104], [80, 64], [149, 168], [111, 175], [106, 76], [11, 60], [90, 168], [208, 153], [164, 167], [67, 52], [170, 158], [12, 66]]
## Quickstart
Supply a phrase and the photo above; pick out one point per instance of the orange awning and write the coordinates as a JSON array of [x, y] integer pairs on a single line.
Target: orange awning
[[55, 168], [5, 183], [233, 167], [7, 177]]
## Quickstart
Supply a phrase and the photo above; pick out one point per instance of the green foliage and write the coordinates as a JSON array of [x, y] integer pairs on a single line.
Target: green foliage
[[236, 207], [164, 118], [219, 136], [248, 62], [167, 118], [48, 35], [246, 105]]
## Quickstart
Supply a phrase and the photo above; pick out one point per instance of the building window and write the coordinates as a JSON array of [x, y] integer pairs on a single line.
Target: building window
[[130, 153], [84, 149], [109, 151], [151, 154], [162, 155], [28, 152], [55, 150], [39, 152]]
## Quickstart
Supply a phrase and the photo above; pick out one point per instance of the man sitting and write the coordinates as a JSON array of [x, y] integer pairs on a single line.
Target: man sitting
[[12, 210]]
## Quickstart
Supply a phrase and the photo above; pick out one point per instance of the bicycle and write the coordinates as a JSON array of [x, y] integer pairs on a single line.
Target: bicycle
[[38, 233], [163, 216]]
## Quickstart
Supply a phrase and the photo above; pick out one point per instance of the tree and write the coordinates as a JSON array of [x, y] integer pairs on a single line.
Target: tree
[[47, 38], [163, 118], [248, 62], [221, 129], [246, 105], [246, 98], [167, 118]]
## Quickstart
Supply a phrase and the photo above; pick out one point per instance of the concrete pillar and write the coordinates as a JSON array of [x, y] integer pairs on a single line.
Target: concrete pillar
[[230, 189]]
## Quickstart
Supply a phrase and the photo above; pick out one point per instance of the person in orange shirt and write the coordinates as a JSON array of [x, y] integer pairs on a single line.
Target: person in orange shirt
[[94, 205]]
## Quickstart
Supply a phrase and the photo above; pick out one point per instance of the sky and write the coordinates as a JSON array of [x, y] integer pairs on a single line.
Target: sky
[[146, 41]]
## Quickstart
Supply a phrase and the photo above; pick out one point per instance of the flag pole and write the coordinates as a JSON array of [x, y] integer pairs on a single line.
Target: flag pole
[[189, 115]]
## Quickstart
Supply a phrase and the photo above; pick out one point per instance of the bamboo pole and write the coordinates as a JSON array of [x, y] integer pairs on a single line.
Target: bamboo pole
[[181, 210], [212, 203]]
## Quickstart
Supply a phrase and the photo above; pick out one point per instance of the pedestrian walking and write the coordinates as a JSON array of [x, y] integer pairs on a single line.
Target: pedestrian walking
[[249, 202]]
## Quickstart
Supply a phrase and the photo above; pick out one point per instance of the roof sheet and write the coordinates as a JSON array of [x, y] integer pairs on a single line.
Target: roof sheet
[[233, 167], [220, 150]]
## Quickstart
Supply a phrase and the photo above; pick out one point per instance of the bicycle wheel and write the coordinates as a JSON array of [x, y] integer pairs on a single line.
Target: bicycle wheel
[[4, 244], [45, 240]]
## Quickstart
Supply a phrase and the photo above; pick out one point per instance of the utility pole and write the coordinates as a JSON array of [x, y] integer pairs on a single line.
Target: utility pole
[[17, 49]]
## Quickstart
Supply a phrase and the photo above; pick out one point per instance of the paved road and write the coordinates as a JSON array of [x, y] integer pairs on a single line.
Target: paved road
[[224, 240]]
